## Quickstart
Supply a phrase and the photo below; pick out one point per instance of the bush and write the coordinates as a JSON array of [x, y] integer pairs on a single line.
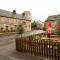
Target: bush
[[35, 38], [58, 32], [19, 29], [34, 25]]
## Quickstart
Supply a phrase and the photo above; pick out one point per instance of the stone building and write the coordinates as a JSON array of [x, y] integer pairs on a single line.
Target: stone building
[[40, 24], [54, 22], [10, 20]]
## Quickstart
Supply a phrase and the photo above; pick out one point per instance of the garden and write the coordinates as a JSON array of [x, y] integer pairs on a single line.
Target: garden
[[38, 44]]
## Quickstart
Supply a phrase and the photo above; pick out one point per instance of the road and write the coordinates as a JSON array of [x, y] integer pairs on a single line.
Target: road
[[4, 40], [24, 34], [7, 37], [8, 52]]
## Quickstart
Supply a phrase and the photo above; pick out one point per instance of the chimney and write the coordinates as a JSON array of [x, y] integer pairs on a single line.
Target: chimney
[[14, 11], [23, 14]]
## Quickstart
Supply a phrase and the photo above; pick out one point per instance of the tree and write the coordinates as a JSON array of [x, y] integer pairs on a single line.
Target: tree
[[20, 29], [58, 32], [58, 29], [34, 25], [58, 25]]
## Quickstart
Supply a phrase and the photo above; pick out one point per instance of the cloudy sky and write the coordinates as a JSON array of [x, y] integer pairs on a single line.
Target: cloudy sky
[[40, 9]]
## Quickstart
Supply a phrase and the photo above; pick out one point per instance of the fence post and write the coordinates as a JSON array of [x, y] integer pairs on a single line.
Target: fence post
[[47, 49], [55, 50], [44, 48], [40, 48], [58, 50], [30, 39], [37, 47], [52, 50]]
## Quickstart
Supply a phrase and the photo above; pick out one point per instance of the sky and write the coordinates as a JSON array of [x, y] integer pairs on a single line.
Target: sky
[[40, 9]]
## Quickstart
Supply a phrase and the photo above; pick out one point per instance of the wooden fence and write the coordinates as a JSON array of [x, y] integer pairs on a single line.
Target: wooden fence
[[41, 48]]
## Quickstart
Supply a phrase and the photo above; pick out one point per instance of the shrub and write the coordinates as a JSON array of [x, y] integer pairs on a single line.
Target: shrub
[[34, 25], [19, 29], [58, 32], [35, 38]]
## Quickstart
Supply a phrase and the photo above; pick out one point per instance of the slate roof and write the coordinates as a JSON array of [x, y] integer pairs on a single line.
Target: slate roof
[[53, 17], [10, 14]]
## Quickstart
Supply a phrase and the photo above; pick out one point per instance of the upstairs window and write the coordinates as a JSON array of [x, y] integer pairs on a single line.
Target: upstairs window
[[23, 14]]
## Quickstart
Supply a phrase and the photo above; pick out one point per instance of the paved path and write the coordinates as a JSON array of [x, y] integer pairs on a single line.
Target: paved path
[[4, 58], [7, 37], [24, 34], [8, 52]]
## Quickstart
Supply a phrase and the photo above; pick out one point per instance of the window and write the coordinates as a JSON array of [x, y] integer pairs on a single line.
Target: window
[[15, 26], [11, 29], [6, 28], [1, 28]]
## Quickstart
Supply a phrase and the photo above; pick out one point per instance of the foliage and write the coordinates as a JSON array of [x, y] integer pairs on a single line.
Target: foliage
[[56, 47], [58, 32], [34, 25], [23, 46], [44, 28], [6, 30], [35, 38], [19, 29], [12, 30]]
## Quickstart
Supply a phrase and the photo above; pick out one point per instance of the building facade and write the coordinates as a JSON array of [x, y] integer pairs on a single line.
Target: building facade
[[54, 22], [10, 20], [40, 24]]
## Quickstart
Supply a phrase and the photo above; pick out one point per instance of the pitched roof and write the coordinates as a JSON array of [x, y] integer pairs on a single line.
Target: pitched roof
[[53, 17], [10, 14]]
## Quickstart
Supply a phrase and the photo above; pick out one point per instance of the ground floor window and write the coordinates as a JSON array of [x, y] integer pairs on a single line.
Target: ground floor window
[[1, 29], [7, 28]]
